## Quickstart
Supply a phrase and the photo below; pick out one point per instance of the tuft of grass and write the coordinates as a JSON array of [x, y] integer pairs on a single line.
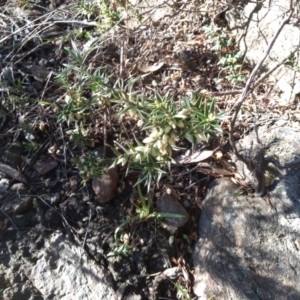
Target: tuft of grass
[[90, 165], [181, 291], [107, 13], [123, 247], [144, 212], [30, 146]]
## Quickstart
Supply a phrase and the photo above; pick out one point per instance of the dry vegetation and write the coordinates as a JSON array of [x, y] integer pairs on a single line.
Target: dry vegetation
[[143, 87]]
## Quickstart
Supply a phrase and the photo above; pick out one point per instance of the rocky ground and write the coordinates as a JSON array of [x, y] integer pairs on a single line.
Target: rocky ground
[[30, 221], [65, 232]]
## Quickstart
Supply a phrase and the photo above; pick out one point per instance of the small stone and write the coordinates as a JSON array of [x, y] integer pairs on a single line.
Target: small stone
[[45, 166], [55, 198], [4, 183], [81, 231], [18, 187], [169, 204], [172, 273], [91, 247], [86, 198], [105, 186], [24, 206]]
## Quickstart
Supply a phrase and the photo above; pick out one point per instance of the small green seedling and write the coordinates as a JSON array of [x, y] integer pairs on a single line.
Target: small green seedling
[[144, 213], [181, 292]]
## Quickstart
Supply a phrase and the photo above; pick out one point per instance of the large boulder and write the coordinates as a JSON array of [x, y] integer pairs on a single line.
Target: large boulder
[[63, 271], [248, 246], [55, 268], [254, 23]]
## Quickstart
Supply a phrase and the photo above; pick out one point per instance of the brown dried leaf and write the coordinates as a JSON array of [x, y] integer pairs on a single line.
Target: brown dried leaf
[[197, 156], [152, 68], [221, 171], [44, 167]]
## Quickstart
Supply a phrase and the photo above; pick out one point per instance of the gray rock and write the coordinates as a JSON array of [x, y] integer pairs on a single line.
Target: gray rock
[[24, 205], [248, 247], [58, 270], [4, 183], [18, 187], [281, 143], [45, 166], [169, 204], [172, 273], [62, 271]]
